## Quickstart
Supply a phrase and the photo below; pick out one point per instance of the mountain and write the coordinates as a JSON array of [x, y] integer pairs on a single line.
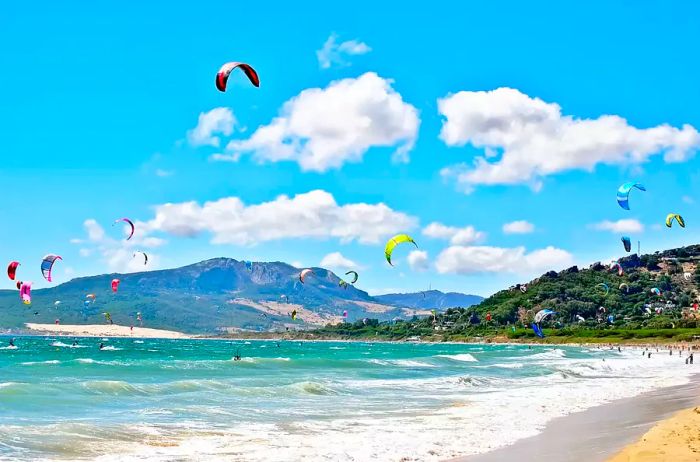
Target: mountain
[[210, 296], [430, 299]]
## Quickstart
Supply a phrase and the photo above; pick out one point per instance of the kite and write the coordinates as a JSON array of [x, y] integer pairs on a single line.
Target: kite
[[687, 276], [603, 286], [12, 269], [115, 285], [145, 257], [393, 242], [614, 265], [623, 193], [543, 315], [293, 315], [129, 222], [627, 288], [679, 219], [343, 284], [226, 69], [25, 292], [304, 273], [656, 291], [354, 275], [57, 302], [627, 243], [47, 265]]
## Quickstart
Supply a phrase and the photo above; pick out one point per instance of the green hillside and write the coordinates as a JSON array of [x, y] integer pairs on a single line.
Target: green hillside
[[636, 310]]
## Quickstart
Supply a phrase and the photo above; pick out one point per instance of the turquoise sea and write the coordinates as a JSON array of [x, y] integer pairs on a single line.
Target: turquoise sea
[[154, 399]]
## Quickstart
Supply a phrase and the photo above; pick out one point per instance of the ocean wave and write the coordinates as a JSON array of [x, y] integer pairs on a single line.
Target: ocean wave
[[400, 363], [312, 388], [549, 354], [464, 357], [110, 348], [65, 345], [33, 363], [9, 347]]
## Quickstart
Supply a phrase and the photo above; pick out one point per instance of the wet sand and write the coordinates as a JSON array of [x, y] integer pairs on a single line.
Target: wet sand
[[598, 433]]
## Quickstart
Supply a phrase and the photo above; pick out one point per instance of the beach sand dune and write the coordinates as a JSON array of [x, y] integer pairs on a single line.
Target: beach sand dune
[[103, 330], [676, 439]]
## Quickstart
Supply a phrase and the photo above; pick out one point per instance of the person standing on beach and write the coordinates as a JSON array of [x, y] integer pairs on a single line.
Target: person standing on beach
[[649, 355], [691, 358]]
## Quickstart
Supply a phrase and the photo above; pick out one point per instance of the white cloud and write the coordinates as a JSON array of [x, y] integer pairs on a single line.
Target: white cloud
[[418, 260], [219, 120], [620, 226], [527, 139], [518, 227], [484, 259], [118, 254], [94, 231], [337, 260], [310, 215], [457, 236], [164, 173], [324, 128], [334, 53]]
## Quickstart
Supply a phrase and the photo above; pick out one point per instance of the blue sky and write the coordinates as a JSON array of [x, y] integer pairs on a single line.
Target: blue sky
[[379, 132]]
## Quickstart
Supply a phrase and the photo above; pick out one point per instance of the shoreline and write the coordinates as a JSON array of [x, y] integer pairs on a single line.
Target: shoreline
[[101, 330], [598, 433]]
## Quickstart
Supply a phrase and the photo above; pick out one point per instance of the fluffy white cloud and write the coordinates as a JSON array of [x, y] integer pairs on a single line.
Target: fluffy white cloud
[[518, 227], [323, 128], [310, 215], [337, 260], [620, 226], [526, 138], [418, 260], [219, 120], [457, 236], [333, 53], [118, 254], [484, 259]]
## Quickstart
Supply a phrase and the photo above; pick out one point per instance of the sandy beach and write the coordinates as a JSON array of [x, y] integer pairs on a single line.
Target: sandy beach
[[598, 433], [675, 439], [103, 330]]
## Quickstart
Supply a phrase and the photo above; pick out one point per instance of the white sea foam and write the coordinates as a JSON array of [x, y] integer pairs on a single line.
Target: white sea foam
[[464, 357]]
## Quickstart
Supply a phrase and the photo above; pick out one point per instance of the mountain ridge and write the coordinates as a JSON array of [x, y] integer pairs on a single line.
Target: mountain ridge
[[214, 295]]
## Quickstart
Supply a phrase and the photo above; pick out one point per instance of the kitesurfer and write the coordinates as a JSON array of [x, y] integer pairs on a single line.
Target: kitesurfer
[[12, 342], [102, 346]]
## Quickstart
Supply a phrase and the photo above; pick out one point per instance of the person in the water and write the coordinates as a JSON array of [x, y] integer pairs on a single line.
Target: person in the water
[[75, 343], [238, 356], [102, 346], [12, 342]]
